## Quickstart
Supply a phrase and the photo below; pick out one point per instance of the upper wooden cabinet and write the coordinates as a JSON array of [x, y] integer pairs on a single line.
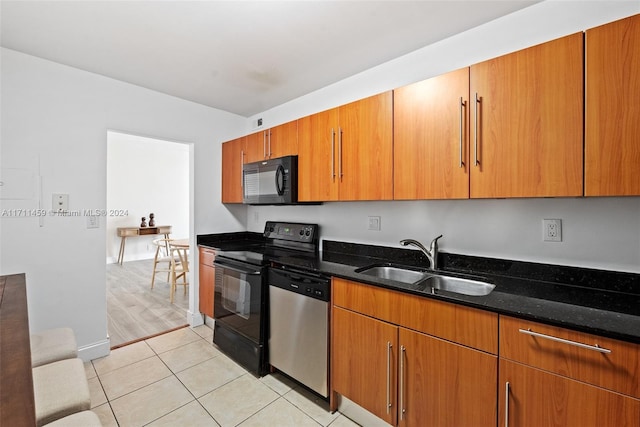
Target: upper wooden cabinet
[[430, 137], [346, 153], [232, 161], [527, 122], [612, 140], [272, 143]]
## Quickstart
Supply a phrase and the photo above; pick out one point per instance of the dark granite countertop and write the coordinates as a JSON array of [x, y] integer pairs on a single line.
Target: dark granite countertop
[[600, 302]]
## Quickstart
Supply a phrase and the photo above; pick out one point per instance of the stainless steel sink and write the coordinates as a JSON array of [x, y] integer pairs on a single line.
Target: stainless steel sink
[[457, 285], [390, 272], [428, 281]]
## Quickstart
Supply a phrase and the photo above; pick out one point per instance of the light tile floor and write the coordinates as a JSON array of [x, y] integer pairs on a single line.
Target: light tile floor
[[182, 379]]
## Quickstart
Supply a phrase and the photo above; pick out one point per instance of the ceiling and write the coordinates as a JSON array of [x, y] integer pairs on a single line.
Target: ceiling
[[239, 56]]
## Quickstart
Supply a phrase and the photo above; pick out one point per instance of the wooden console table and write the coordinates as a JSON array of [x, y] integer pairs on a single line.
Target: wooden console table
[[124, 232], [17, 403]]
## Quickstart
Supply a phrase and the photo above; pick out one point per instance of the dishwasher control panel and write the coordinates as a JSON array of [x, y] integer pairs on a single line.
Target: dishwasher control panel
[[310, 285]]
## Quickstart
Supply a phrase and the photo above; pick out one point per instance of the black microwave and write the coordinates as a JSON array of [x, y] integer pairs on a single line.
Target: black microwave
[[271, 182]]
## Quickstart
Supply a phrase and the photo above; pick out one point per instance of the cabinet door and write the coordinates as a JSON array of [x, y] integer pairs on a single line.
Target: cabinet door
[[365, 149], [529, 122], [531, 397], [283, 140], [256, 147], [206, 282], [612, 144], [444, 384], [430, 138], [363, 364], [317, 157], [232, 161]]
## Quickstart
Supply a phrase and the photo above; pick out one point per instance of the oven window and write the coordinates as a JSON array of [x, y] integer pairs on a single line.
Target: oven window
[[236, 295]]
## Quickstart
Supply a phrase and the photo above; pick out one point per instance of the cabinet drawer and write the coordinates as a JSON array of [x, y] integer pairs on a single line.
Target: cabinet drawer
[[207, 256], [467, 326], [126, 232], [604, 362]]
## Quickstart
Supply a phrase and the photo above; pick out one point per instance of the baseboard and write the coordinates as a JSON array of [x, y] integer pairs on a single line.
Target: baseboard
[[95, 350], [195, 318], [358, 414]]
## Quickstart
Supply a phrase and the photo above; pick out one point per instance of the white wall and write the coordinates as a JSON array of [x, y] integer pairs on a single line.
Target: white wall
[[61, 116], [145, 175], [598, 233]]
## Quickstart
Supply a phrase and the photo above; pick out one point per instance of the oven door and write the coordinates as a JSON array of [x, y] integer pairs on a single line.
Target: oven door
[[239, 299]]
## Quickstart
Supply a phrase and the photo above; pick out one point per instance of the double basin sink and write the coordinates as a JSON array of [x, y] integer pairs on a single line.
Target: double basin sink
[[428, 281]]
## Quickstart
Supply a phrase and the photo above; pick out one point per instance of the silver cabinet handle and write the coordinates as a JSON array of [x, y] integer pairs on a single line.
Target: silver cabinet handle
[[462, 104], [403, 349], [562, 340], [241, 166], [269, 143], [264, 144], [340, 152], [475, 150], [506, 404], [333, 154], [389, 376]]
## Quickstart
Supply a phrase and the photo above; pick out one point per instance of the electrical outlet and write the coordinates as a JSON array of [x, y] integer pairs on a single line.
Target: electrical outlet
[[373, 223], [552, 230]]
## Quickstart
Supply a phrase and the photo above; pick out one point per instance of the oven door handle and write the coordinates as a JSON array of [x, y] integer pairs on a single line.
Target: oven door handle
[[249, 271]]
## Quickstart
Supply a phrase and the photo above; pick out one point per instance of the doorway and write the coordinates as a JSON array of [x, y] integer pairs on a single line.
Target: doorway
[[145, 176]]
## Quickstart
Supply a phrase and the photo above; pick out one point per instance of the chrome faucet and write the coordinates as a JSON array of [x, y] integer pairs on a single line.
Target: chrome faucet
[[431, 253]]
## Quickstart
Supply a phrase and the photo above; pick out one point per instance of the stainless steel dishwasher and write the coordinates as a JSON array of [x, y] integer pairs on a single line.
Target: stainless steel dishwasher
[[299, 326]]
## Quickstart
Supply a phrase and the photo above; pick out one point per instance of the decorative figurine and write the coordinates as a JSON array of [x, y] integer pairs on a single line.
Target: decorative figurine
[[144, 222], [152, 221]]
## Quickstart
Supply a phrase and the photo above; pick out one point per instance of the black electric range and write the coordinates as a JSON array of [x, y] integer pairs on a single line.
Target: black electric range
[[241, 289]]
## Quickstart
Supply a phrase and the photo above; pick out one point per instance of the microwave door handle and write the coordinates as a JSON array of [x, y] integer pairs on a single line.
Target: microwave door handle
[[280, 180], [250, 271]]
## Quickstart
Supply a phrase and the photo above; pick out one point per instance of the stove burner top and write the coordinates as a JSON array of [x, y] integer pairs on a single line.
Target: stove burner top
[[281, 240]]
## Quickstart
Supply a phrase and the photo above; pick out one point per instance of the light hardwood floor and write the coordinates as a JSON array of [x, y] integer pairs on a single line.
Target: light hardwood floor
[[136, 311]]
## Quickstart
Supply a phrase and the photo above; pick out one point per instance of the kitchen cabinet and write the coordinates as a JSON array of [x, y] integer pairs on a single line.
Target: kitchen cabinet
[[272, 143], [206, 280], [232, 161], [527, 122], [346, 153], [363, 367], [431, 138], [383, 360], [557, 377], [612, 122]]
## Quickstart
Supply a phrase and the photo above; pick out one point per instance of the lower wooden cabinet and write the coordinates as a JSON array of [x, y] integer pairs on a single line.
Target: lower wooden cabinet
[[207, 274], [409, 378], [532, 397], [363, 367]]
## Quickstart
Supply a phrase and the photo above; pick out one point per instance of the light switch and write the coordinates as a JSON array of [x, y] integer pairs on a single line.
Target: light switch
[[60, 202]]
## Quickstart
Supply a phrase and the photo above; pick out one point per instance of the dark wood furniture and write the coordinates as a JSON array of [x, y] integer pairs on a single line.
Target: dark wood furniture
[[17, 406]]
